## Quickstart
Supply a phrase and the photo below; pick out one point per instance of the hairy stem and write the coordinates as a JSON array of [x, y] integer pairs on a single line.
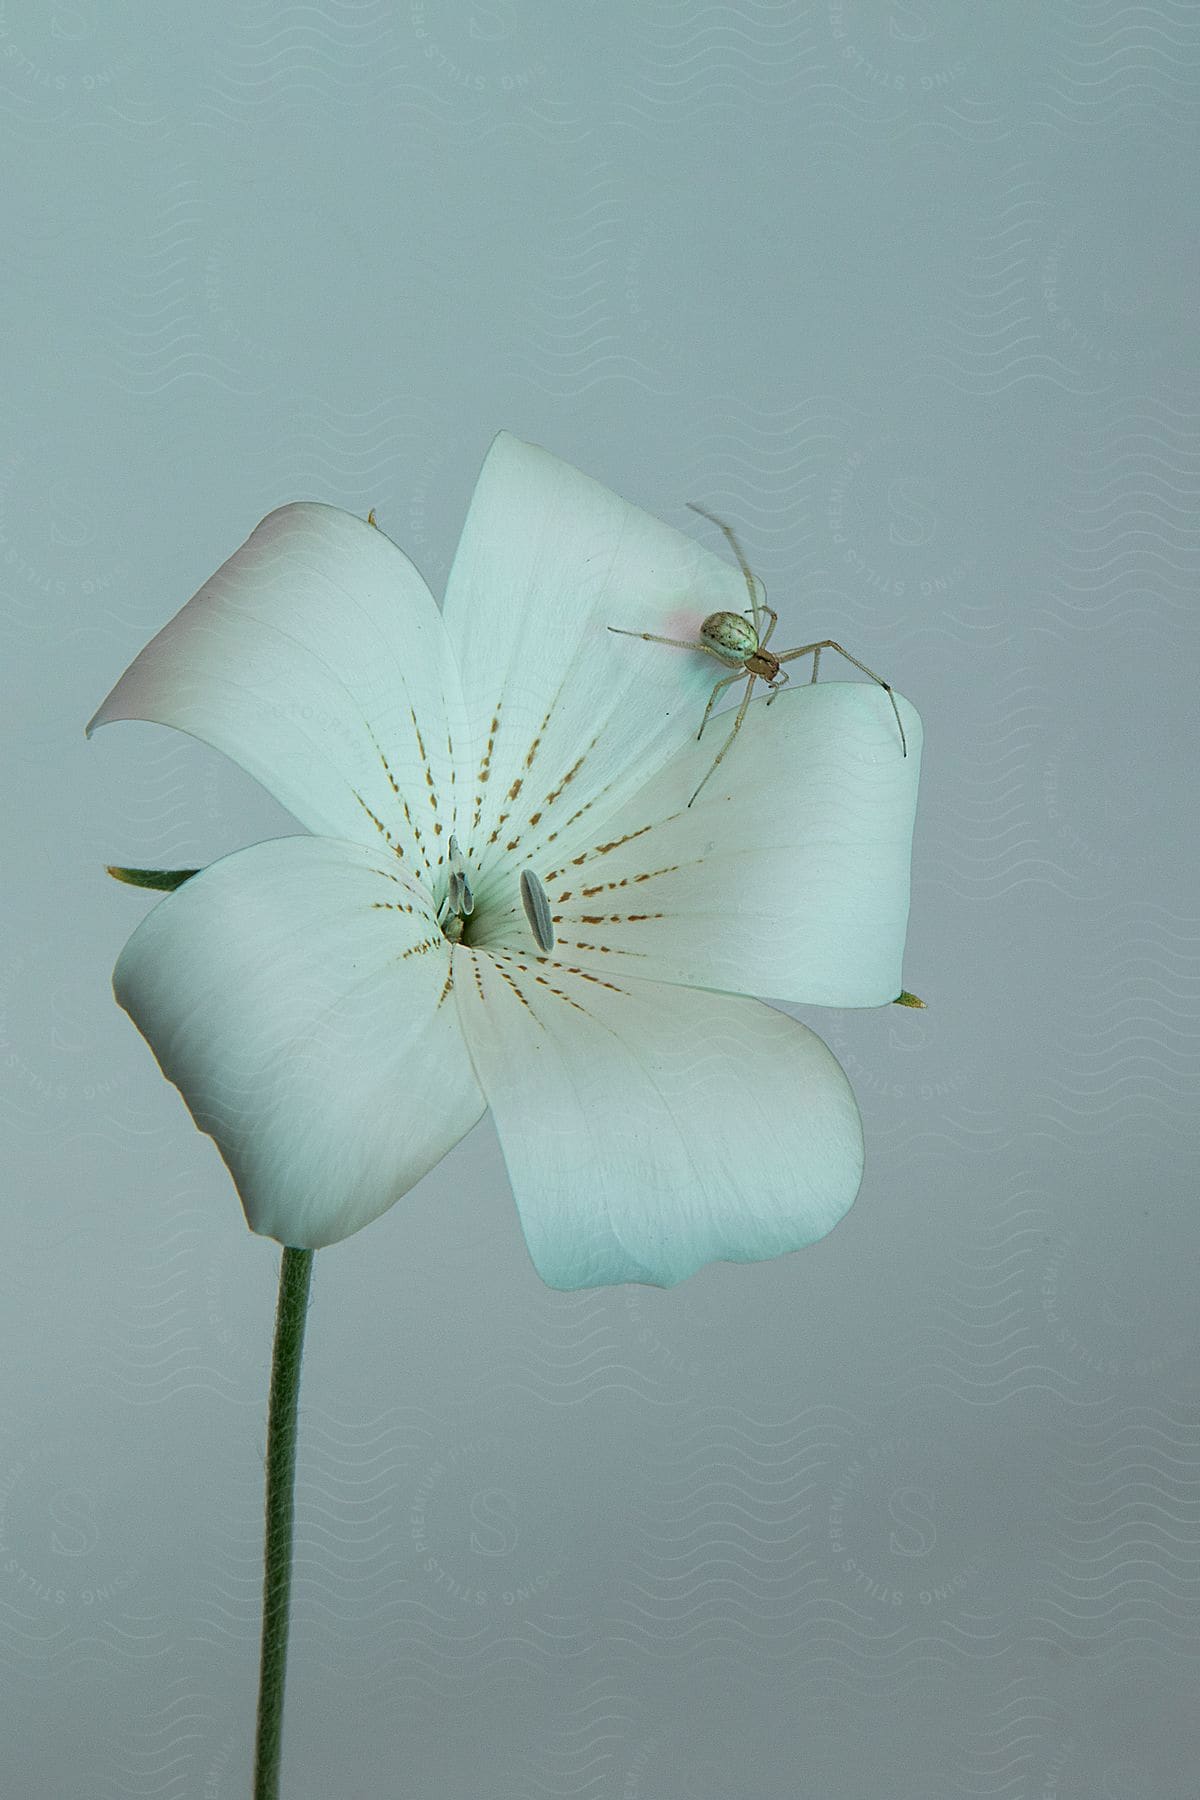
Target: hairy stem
[[295, 1273]]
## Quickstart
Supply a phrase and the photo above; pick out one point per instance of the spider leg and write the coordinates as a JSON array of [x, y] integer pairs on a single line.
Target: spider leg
[[652, 637], [814, 650], [737, 725], [739, 675], [753, 584], [774, 618], [777, 684]]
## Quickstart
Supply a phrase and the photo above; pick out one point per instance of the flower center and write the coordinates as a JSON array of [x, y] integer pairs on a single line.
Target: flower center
[[459, 901]]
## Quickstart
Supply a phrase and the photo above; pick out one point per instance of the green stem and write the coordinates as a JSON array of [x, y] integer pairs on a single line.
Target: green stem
[[295, 1273]]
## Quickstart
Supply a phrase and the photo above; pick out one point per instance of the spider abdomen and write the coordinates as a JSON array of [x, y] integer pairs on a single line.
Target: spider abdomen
[[730, 635]]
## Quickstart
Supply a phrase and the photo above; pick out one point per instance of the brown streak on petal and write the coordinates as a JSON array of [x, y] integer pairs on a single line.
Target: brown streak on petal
[[571, 773], [417, 838], [387, 767], [416, 949], [515, 986], [599, 981], [559, 994], [607, 887], [533, 748], [378, 824], [485, 765], [601, 949], [490, 746], [601, 849]]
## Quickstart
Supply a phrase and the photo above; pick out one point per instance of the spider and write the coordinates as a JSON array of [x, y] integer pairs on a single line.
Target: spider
[[733, 640]]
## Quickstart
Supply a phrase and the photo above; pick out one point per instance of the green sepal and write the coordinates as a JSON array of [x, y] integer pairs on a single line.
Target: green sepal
[[904, 998], [166, 880]]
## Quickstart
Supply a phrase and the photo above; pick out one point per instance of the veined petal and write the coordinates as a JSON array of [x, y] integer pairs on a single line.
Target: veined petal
[[573, 716], [316, 658], [297, 994], [649, 1130], [788, 877]]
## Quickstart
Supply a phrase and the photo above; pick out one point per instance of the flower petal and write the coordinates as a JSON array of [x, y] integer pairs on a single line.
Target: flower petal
[[788, 877], [650, 1130], [316, 658], [574, 716], [296, 994]]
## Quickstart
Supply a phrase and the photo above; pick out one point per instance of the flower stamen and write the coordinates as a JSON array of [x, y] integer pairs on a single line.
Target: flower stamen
[[536, 902], [459, 902]]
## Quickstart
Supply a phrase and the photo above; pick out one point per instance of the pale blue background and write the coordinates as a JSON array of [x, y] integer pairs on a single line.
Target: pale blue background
[[907, 292]]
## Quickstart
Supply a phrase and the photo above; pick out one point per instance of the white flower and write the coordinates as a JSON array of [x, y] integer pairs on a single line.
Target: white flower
[[331, 1035]]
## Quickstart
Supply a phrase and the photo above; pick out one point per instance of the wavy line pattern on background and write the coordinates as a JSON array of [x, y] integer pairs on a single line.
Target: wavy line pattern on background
[[341, 52], [81, 1578], [1123, 1562], [194, 1318], [435, 1561], [581, 334], [584, 1747], [66, 67], [1110, 65], [1015, 1726], [1126, 546], [723, 1558], [441, 68], [57, 1092], [995, 334], [698, 62], [158, 339], [984, 1345], [38, 1656], [65, 562], [567, 1354], [168, 1751], [990, 847], [784, 479], [1034, 1301], [781, 1544], [693, 59], [1116, 1724], [1129, 1056]]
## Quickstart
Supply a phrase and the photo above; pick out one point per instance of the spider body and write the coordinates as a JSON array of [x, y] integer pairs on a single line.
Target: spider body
[[729, 636], [735, 641], [741, 644]]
